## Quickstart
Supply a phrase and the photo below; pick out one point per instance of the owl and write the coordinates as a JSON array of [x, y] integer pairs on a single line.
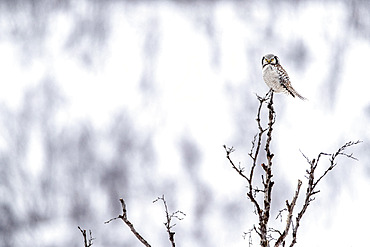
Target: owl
[[276, 77]]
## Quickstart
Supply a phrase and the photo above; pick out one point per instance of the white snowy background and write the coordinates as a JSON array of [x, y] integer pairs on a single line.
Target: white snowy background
[[107, 99]]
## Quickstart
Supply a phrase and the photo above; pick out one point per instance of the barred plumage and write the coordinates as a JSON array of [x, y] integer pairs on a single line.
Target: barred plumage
[[276, 77]]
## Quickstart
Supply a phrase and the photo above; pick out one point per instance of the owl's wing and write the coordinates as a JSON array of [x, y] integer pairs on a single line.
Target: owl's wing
[[284, 80]]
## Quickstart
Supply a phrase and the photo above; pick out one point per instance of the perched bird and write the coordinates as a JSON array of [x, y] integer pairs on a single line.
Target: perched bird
[[276, 77]]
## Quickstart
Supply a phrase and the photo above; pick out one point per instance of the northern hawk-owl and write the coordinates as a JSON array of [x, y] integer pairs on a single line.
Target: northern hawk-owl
[[276, 77]]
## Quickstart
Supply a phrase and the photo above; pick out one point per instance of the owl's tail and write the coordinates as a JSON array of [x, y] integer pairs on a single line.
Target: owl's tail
[[295, 93], [290, 90]]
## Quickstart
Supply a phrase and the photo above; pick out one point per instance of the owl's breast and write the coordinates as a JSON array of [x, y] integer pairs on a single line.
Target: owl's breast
[[271, 78]]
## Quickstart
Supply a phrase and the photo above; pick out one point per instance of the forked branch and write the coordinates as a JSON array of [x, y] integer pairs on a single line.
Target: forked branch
[[123, 217], [268, 235], [88, 241], [169, 216], [262, 209], [312, 182]]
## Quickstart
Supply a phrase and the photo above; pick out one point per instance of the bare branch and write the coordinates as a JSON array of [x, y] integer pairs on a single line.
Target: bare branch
[[290, 208], [262, 210], [177, 214], [249, 234], [87, 242], [267, 182], [256, 143], [128, 223], [280, 214], [312, 183], [239, 170], [339, 152]]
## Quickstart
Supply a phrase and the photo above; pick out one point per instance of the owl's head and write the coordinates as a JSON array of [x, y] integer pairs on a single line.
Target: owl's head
[[270, 59]]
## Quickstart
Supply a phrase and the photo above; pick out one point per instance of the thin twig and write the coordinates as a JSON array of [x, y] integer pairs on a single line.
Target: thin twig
[[289, 208], [239, 170], [169, 217], [312, 183], [257, 145], [128, 223], [87, 242], [249, 234]]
